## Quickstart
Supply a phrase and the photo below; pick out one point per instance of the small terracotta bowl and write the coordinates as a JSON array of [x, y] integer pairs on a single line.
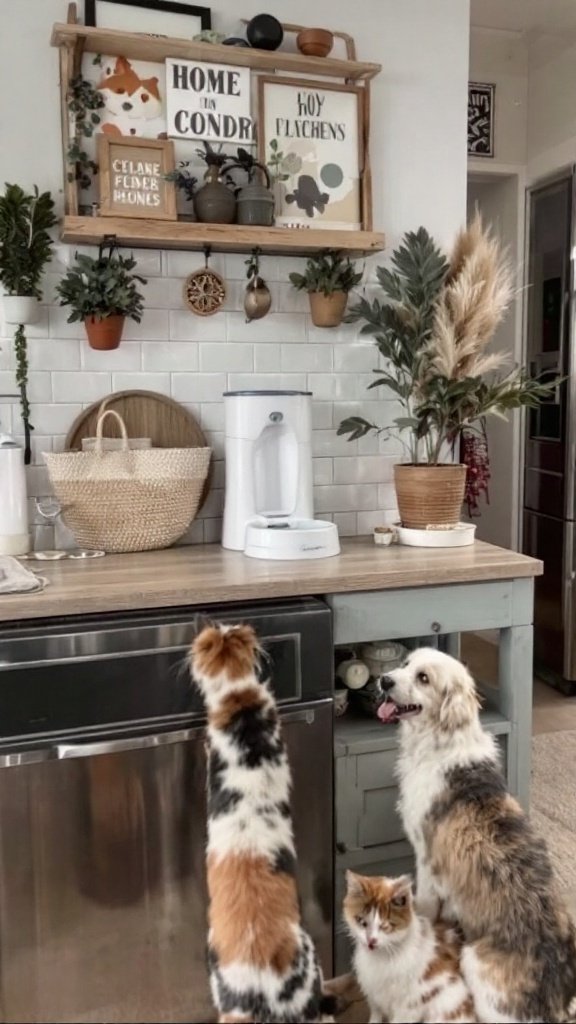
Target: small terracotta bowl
[[315, 42]]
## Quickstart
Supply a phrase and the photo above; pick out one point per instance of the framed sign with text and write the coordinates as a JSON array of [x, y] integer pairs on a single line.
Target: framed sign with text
[[310, 136], [208, 102], [132, 177]]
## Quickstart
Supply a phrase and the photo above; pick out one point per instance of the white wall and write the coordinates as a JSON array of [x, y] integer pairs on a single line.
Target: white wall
[[419, 175], [551, 106], [501, 58], [500, 201]]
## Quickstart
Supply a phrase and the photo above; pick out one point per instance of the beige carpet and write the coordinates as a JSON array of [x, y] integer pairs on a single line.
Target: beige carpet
[[553, 801]]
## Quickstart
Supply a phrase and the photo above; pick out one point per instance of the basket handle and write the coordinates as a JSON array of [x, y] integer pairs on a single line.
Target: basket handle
[[100, 424]]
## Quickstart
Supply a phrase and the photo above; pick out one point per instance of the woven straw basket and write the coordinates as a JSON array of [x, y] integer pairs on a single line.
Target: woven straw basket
[[128, 500], [429, 495]]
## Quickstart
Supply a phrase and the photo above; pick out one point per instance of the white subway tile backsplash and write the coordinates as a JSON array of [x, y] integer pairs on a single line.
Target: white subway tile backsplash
[[267, 358], [283, 327], [367, 470], [346, 523], [127, 357], [229, 357], [53, 354], [323, 470], [345, 497], [54, 419], [307, 357], [81, 387], [170, 355], [153, 327], [6, 354], [272, 381], [195, 359], [186, 326], [144, 381], [368, 520], [212, 415], [198, 387]]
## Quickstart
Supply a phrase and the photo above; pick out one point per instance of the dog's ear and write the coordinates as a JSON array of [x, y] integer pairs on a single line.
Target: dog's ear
[[459, 707]]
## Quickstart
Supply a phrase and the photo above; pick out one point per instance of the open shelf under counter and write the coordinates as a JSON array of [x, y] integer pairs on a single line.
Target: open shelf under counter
[[141, 46], [219, 237]]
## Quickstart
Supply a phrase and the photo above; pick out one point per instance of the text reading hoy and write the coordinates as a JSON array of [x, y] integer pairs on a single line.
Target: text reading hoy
[[209, 122]]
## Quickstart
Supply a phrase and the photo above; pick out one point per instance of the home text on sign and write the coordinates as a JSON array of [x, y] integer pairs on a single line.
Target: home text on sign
[[208, 101], [136, 182]]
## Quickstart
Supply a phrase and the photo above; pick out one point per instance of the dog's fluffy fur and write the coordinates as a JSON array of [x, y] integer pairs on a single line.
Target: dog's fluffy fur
[[477, 855]]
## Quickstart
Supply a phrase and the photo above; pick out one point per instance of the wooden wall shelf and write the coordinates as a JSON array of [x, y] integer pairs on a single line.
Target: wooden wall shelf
[[220, 237], [113, 43]]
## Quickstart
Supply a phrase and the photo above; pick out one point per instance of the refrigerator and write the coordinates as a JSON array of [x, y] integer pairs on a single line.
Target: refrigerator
[[549, 504]]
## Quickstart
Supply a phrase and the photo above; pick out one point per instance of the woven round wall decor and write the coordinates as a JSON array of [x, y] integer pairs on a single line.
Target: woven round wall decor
[[204, 292]]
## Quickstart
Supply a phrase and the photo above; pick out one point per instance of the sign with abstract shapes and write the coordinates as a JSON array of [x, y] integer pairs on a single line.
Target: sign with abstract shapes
[[208, 102], [480, 119], [310, 138]]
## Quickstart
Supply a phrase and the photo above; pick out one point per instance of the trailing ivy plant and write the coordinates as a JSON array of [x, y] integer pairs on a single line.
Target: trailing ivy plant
[[84, 102], [25, 249]]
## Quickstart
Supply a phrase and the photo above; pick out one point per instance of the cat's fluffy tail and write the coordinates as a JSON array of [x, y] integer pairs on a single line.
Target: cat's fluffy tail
[[224, 657]]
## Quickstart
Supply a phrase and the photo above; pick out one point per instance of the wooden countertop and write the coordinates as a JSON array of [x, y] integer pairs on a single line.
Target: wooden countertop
[[207, 574]]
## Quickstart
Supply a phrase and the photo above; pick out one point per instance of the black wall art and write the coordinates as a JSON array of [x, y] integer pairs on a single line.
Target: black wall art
[[158, 17], [480, 119]]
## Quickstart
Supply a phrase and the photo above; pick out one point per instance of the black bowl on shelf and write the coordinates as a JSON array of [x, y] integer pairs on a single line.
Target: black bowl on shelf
[[236, 41], [264, 32]]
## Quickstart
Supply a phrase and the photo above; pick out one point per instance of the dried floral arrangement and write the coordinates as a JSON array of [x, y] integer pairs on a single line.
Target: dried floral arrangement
[[434, 330]]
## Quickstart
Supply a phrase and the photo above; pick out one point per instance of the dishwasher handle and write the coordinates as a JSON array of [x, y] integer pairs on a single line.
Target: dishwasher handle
[[71, 751]]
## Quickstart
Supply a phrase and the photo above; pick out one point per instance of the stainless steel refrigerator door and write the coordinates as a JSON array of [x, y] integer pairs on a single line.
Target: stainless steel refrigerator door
[[104, 916]]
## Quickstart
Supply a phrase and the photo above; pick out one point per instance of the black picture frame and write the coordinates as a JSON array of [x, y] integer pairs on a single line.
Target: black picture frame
[[166, 6], [481, 112]]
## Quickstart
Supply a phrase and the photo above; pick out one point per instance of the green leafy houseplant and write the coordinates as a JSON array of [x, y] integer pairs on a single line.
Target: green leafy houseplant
[[102, 292], [433, 329], [25, 249], [328, 278], [84, 104]]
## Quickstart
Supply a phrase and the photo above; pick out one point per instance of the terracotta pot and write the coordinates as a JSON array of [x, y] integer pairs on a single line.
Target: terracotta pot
[[315, 42], [327, 310], [104, 334], [429, 495]]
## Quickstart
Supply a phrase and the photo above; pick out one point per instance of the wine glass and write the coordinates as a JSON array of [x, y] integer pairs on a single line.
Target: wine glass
[[50, 508]]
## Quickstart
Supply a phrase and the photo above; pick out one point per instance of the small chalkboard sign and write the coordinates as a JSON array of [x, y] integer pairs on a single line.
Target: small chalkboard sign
[[132, 177], [480, 119]]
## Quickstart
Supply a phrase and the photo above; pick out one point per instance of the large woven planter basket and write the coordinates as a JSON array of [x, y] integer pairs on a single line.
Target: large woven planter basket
[[128, 500], [429, 495]]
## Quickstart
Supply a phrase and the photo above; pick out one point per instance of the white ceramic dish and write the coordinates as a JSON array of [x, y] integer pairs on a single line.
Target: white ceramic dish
[[459, 536]]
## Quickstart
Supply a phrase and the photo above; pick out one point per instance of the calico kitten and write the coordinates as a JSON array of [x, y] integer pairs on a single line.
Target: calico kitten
[[407, 967], [262, 963]]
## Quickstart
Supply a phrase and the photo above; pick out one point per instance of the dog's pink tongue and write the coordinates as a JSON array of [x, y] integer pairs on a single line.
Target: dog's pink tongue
[[387, 711]]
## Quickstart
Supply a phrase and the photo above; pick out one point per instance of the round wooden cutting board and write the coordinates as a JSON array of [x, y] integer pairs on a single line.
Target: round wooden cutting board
[[146, 414]]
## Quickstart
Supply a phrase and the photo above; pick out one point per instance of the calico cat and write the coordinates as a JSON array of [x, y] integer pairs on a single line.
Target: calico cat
[[262, 963], [407, 967]]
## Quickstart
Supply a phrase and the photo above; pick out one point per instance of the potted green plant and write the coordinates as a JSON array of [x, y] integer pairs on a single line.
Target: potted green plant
[[328, 278], [433, 331], [25, 249], [102, 292], [186, 184]]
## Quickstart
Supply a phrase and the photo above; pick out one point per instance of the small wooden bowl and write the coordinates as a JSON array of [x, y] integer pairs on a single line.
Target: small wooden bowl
[[315, 42]]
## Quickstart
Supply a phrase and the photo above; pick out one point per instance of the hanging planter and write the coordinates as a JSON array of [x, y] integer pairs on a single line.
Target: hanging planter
[[21, 309], [328, 277], [101, 293]]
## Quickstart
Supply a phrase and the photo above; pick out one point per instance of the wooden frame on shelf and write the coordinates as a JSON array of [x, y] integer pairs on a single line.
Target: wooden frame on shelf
[[131, 192], [72, 39]]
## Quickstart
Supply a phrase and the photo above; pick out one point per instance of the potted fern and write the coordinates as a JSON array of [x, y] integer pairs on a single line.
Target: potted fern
[[433, 330], [102, 292], [328, 278], [25, 249]]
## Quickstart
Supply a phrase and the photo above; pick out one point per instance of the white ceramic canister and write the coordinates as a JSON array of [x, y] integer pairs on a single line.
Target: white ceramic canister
[[14, 536]]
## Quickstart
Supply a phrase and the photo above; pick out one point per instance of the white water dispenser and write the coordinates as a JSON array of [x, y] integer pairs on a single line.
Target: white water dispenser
[[14, 536], [269, 510]]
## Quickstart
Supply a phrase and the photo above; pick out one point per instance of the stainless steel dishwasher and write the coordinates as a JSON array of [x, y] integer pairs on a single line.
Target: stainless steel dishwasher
[[102, 808]]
